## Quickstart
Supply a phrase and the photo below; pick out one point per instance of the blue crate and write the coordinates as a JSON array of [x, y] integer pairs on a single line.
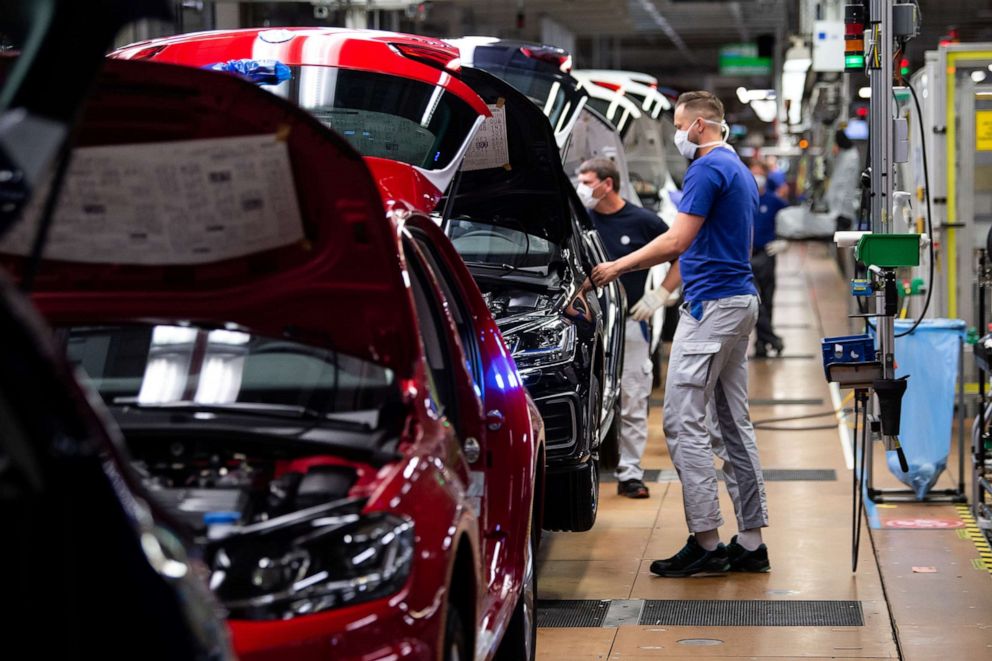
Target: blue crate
[[847, 349]]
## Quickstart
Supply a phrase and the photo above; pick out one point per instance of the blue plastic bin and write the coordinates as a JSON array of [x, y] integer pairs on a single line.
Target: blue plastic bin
[[847, 349]]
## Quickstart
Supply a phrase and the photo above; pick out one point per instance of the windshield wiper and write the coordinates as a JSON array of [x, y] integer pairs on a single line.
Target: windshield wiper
[[241, 408], [508, 268]]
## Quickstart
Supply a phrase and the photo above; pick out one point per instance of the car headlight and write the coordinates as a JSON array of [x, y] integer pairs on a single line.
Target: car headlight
[[548, 344], [313, 566]]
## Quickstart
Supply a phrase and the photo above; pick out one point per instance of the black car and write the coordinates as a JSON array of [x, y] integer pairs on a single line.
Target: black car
[[530, 244], [539, 71]]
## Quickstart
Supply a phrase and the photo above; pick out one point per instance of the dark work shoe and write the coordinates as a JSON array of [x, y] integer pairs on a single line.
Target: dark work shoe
[[693, 560], [750, 561], [633, 489]]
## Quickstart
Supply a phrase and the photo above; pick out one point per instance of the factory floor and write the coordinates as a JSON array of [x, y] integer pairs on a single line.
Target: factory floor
[[919, 592]]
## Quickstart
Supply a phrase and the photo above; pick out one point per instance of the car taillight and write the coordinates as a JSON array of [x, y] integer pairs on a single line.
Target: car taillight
[[653, 86], [610, 86], [435, 57], [549, 54], [148, 53]]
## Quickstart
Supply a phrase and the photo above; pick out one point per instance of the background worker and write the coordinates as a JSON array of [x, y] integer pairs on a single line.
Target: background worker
[[763, 253], [842, 196], [625, 227], [711, 237]]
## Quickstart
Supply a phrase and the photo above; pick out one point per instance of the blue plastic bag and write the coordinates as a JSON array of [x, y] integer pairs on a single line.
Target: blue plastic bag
[[260, 72], [930, 356]]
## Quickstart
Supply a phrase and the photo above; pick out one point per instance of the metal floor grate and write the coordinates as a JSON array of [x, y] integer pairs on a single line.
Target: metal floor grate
[[800, 475], [787, 402], [571, 613], [771, 475], [785, 613]]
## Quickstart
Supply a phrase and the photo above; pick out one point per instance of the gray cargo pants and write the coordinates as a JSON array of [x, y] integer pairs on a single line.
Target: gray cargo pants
[[707, 378]]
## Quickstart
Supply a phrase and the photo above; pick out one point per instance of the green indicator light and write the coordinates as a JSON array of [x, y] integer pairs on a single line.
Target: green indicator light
[[854, 61]]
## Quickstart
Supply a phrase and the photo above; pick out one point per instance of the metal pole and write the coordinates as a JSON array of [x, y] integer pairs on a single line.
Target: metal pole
[[961, 414]]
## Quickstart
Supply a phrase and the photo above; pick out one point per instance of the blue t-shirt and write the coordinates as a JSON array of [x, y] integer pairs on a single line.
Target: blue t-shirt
[[719, 187], [769, 205], [622, 233]]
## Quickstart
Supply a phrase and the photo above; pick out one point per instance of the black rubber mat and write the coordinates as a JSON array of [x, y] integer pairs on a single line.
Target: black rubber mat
[[771, 475], [571, 613], [655, 401], [733, 613], [787, 402], [650, 475], [800, 475]]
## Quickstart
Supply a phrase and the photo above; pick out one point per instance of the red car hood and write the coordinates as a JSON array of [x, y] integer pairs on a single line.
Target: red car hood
[[426, 60], [308, 250]]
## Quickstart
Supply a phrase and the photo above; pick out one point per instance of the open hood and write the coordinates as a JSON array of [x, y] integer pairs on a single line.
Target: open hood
[[196, 196], [393, 95], [540, 71], [512, 174]]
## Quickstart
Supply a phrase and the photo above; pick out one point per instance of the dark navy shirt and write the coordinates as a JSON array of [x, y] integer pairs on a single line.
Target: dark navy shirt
[[769, 205], [622, 233], [721, 189]]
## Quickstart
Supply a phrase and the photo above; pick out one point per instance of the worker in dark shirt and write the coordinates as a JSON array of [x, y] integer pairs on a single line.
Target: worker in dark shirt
[[763, 253], [624, 228]]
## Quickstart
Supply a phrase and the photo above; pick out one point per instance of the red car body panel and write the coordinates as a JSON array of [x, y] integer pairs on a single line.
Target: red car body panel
[[341, 47], [347, 282]]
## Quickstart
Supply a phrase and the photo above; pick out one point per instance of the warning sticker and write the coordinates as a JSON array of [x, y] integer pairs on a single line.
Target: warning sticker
[[983, 130], [187, 202], [489, 148]]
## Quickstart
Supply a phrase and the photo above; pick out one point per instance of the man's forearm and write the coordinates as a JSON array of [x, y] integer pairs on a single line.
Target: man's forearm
[[673, 279], [662, 249]]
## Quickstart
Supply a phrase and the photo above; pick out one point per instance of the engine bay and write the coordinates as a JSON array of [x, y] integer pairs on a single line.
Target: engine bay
[[236, 484], [505, 302]]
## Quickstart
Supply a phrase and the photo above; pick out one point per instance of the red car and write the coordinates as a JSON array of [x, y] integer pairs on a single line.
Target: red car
[[299, 361]]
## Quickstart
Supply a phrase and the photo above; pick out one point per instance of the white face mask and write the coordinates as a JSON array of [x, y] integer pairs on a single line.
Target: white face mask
[[761, 180], [688, 149], [585, 193]]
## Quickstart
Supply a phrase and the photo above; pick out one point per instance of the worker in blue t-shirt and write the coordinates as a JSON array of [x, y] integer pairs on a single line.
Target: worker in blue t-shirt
[[624, 228], [706, 395], [763, 259]]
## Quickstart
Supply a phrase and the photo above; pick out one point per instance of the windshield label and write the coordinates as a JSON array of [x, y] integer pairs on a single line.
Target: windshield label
[[489, 147], [186, 202]]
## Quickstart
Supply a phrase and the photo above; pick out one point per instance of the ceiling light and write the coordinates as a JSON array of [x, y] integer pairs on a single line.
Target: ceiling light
[[864, 93], [978, 76]]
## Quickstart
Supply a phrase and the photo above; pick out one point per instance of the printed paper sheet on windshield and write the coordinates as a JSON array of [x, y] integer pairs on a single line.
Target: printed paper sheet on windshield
[[489, 148], [188, 202]]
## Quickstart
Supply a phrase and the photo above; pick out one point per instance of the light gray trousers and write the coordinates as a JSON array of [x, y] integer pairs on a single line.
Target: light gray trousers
[[635, 390], [706, 393]]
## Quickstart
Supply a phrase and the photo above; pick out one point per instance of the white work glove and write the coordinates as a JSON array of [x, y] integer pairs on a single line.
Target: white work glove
[[650, 303], [776, 246]]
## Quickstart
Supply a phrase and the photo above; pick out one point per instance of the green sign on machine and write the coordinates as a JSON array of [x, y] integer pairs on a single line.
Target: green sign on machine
[[743, 60]]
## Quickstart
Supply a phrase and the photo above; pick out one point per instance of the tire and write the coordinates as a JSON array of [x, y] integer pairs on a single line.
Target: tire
[[609, 451], [520, 639], [572, 498], [456, 645]]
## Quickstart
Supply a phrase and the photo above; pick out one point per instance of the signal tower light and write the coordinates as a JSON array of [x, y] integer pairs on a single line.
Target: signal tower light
[[854, 37]]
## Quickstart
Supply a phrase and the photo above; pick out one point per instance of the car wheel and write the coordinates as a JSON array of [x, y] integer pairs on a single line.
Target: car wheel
[[456, 646], [572, 498], [520, 640], [609, 451]]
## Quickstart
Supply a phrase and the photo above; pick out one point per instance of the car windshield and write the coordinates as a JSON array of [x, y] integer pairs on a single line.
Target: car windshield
[[171, 366], [555, 93], [500, 245], [382, 115]]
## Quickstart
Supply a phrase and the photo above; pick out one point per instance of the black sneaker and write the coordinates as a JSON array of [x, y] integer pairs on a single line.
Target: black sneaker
[[633, 489], [693, 559], [751, 561]]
